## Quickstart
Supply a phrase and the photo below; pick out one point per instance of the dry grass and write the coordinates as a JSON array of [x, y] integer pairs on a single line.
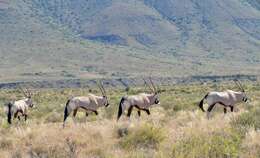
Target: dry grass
[[166, 133]]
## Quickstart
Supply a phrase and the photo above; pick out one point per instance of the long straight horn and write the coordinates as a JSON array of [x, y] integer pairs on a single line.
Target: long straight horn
[[26, 95], [99, 86], [147, 85], [28, 92], [239, 85], [154, 89], [105, 93]]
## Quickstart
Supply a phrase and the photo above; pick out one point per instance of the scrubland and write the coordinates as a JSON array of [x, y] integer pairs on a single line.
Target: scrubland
[[175, 128]]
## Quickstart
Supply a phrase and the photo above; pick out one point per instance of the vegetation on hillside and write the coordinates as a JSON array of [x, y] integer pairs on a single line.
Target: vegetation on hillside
[[68, 39]]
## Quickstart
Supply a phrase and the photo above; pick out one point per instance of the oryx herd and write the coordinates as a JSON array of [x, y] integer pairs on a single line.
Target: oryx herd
[[141, 102]]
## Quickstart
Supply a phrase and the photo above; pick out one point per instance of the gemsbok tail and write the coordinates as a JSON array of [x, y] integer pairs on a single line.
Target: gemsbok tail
[[201, 103], [9, 113], [66, 112], [120, 110]]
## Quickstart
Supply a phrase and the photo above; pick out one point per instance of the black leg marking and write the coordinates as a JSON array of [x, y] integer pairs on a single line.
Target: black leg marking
[[225, 110], [129, 111], [86, 114], [15, 115], [147, 111], [211, 107], [25, 117], [139, 113], [95, 112], [75, 112], [232, 108]]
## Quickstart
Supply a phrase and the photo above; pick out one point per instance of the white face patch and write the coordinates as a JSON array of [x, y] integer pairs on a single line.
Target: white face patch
[[29, 102]]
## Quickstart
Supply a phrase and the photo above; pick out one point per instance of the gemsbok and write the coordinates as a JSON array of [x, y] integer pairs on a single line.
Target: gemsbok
[[20, 106], [89, 103], [227, 98], [142, 101]]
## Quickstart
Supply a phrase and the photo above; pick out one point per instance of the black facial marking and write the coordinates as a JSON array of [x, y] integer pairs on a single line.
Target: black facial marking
[[156, 101], [244, 99]]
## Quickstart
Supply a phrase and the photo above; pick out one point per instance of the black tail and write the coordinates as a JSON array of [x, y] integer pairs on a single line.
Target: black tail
[[66, 113], [9, 114], [201, 103], [120, 110]]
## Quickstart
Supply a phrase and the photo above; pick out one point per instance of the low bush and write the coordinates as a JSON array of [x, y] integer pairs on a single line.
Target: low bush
[[247, 120], [143, 136], [219, 144]]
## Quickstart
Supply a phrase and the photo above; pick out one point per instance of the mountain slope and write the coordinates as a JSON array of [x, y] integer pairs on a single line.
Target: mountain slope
[[212, 28], [66, 39]]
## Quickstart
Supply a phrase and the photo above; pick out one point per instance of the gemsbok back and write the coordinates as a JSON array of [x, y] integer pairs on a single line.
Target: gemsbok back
[[227, 98], [20, 106], [142, 101], [89, 103]]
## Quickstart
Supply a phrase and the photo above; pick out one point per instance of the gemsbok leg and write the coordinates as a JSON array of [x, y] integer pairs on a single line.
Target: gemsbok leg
[[232, 108], [225, 110], [16, 115], [95, 112], [75, 112], [139, 113], [147, 111], [74, 115], [130, 109], [25, 117], [210, 109]]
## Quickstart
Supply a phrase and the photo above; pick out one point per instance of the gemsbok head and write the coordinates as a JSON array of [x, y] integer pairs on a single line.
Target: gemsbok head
[[90, 102], [18, 107], [141, 101], [227, 98]]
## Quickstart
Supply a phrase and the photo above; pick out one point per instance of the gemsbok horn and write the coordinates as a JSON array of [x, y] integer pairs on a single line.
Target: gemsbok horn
[[20, 106], [89, 103], [142, 101], [227, 98]]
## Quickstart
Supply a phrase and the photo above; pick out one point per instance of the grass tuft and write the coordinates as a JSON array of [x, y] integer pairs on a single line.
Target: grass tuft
[[143, 136]]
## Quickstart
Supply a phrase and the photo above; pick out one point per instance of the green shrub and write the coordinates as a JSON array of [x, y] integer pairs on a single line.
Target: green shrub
[[219, 144], [53, 117], [144, 136], [247, 120]]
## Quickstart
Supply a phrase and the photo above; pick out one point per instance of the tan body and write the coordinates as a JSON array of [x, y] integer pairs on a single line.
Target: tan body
[[227, 99], [142, 101], [19, 106], [90, 102]]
